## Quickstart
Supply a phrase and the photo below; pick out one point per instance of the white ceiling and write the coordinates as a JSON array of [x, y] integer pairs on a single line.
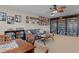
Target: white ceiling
[[43, 10]]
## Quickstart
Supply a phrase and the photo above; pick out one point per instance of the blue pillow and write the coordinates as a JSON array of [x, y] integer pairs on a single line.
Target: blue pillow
[[27, 32]]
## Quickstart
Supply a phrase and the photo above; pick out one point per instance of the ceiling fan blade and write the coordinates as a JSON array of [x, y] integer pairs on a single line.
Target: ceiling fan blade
[[55, 9], [50, 8], [61, 9]]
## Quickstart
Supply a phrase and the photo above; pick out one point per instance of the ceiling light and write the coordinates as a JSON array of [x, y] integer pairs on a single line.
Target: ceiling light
[[54, 12]]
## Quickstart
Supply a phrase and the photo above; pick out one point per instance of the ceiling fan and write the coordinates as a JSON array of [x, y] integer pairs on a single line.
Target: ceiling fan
[[56, 9]]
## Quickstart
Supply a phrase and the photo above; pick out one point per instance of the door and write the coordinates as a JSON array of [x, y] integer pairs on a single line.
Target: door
[[54, 26], [72, 26], [61, 26]]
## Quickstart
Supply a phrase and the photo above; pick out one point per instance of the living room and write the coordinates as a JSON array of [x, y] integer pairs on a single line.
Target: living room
[[17, 19], [39, 28]]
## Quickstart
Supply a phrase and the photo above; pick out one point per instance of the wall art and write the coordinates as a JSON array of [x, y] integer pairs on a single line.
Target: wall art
[[18, 18], [27, 19], [10, 20], [2, 16]]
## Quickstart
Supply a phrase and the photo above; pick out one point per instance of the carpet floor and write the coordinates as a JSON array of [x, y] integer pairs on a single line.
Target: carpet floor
[[61, 44]]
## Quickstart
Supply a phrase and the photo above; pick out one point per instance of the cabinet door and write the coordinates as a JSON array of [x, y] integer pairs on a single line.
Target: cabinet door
[[54, 26], [72, 26], [61, 26]]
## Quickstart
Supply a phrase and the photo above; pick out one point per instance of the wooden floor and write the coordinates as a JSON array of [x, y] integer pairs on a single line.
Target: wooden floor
[[62, 44]]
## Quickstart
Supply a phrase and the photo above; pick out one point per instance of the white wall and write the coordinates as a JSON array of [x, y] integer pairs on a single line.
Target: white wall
[[10, 12]]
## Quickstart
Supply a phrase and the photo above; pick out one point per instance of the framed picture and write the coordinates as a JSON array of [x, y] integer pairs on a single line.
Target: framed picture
[[18, 18], [27, 19], [3, 16], [10, 20]]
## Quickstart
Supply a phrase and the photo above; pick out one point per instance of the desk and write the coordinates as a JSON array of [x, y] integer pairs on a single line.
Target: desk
[[23, 47]]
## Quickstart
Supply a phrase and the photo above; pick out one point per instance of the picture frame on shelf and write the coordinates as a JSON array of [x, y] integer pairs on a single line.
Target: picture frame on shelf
[[18, 18], [3, 16], [10, 20]]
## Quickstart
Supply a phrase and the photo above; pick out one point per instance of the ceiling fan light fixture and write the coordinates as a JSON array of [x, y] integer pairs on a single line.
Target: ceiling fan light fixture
[[52, 15], [54, 12]]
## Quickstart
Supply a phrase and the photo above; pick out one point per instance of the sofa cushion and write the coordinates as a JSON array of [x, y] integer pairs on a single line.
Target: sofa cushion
[[28, 32], [36, 32]]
